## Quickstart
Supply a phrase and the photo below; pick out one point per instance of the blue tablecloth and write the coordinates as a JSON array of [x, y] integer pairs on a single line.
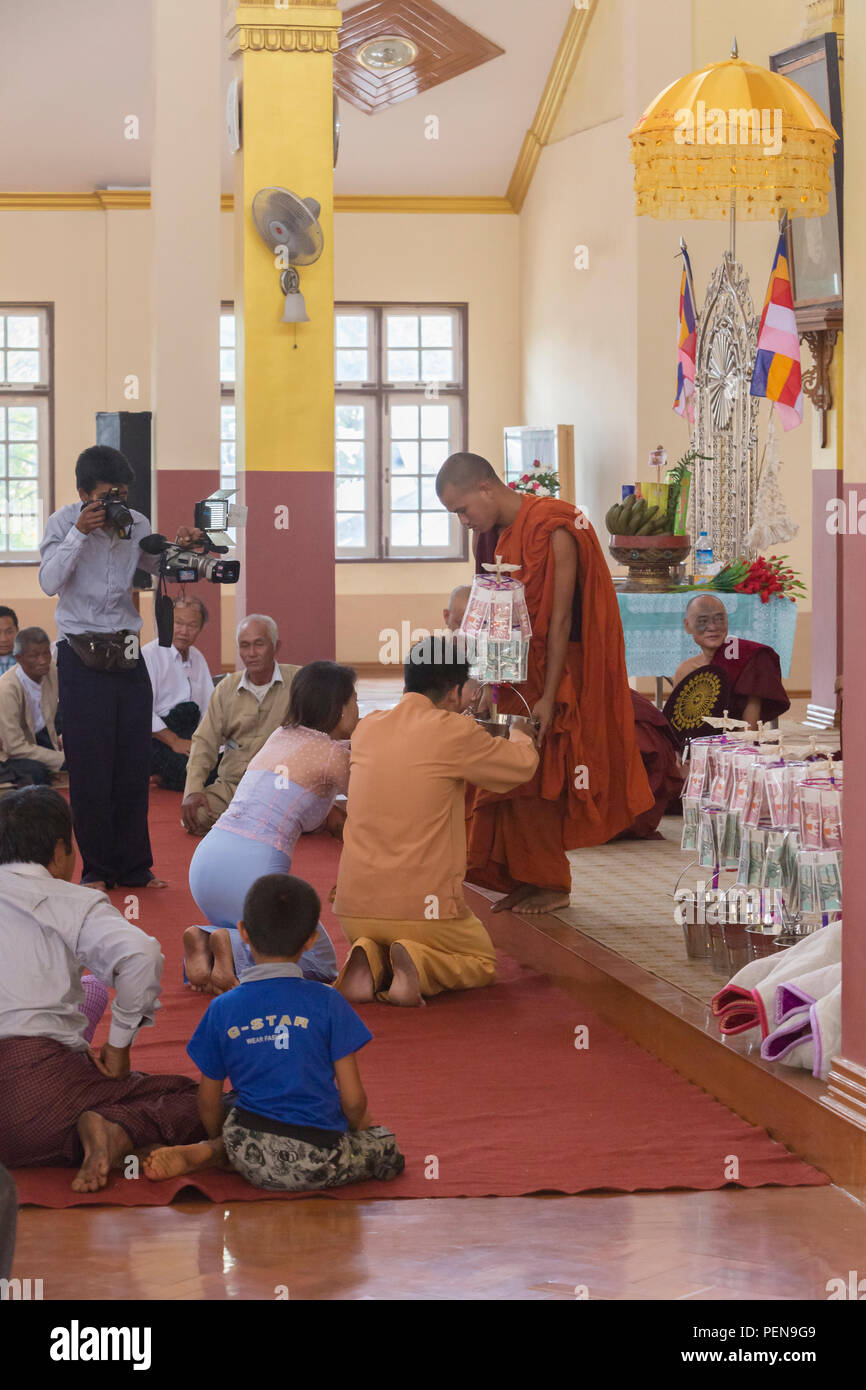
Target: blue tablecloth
[[656, 642]]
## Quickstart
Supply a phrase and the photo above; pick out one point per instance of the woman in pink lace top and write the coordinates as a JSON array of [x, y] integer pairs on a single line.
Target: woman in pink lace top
[[289, 788]]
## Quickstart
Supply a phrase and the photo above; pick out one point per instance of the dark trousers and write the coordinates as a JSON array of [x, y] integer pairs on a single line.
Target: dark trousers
[[168, 766], [8, 1222], [27, 772], [106, 738]]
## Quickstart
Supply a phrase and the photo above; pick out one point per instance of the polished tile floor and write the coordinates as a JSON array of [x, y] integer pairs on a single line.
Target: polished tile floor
[[766, 1243]]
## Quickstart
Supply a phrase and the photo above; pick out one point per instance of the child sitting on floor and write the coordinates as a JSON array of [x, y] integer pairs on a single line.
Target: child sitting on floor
[[287, 1046]]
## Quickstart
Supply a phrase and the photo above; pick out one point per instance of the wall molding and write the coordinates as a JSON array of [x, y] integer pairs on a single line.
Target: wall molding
[[550, 105], [138, 199]]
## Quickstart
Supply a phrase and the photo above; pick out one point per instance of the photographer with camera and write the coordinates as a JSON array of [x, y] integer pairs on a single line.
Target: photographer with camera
[[90, 552]]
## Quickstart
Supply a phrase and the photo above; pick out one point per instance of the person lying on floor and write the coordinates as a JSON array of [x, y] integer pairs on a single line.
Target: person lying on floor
[[63, 1104], [287, 1046], [399, 893], [289, 787]]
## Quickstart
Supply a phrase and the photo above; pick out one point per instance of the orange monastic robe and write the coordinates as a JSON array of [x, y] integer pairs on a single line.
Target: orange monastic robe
[[590, 783]]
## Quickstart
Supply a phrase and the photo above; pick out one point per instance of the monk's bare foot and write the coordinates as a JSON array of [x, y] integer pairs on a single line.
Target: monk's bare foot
[[104, 1146], [197, 958], [156, 883], [183, 1158], [405, 989], [357, 982], [543, 900], [510, 901], [223, 975], [98, 883]]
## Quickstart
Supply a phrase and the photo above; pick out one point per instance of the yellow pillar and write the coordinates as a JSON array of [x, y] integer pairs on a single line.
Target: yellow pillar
[[283, 55]]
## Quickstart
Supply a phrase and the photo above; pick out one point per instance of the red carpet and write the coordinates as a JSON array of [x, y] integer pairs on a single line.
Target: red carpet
[[485, 1090]]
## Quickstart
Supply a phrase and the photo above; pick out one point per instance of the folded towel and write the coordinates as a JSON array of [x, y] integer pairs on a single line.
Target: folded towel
[[808, 1038]]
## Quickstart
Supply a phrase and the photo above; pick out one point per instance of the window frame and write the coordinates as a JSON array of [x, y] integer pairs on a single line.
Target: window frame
[[20, 393], [385, 393]]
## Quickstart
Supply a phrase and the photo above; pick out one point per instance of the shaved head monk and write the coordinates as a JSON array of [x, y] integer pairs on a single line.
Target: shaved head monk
[[754, 688], [590, 784]]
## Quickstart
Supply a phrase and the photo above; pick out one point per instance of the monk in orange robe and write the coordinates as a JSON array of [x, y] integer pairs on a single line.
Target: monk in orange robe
[[590, 782]]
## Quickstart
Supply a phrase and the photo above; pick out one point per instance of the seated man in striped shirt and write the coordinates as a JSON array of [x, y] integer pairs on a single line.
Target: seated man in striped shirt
[[64, 1103]]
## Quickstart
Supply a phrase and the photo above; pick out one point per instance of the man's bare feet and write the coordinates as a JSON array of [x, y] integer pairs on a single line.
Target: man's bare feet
[[543, 900], [104, 1146], [223, 975], [197, 958], [98, 883], [405, 988], [156, 883], [357, 982], [183, 1158], [510, 901]]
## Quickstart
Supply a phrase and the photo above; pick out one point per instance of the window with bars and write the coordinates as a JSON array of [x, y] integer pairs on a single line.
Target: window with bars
[[25, 430], [400, 411]]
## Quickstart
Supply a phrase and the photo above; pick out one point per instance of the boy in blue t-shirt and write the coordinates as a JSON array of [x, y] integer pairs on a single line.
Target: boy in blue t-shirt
[[287, 1045]]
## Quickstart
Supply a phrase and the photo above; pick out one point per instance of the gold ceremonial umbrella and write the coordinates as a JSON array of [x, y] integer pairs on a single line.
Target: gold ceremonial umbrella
[[731, 139]]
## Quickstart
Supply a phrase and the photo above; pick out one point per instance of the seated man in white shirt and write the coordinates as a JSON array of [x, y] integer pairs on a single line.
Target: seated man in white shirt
[[63, 1103], [29, 741], [182, 687]]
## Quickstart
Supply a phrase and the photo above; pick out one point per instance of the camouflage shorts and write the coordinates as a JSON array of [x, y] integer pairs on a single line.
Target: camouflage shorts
[[290, 1165]]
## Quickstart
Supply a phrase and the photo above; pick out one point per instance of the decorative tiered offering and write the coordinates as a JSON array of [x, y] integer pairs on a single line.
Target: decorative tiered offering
[[497, 626]]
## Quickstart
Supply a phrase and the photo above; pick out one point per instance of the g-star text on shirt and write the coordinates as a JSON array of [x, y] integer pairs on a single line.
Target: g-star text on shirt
[[256, 1025]]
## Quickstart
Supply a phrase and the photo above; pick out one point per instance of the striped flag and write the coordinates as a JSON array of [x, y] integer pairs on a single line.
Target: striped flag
[[776, 374], [684, 403]]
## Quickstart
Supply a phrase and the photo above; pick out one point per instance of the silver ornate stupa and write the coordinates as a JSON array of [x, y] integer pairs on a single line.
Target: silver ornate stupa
[[726, 415]]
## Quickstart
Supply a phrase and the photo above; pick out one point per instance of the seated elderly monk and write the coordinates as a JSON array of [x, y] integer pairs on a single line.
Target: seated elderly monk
[[730, 673], [62, 1102], [399, 893], [28, 710], [243, 712]]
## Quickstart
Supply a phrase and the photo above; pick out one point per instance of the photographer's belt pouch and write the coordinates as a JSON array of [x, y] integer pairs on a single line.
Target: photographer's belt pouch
[[106, 651]]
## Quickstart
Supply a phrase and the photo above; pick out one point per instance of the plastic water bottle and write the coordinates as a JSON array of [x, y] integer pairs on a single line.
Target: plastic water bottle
[[703, 557]]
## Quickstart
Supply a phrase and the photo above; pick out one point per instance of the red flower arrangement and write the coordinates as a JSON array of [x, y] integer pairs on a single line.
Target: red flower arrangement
[[769, 578]]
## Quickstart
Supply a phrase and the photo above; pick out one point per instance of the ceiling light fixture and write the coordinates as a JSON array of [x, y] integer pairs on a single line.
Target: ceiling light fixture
[[388, 53]]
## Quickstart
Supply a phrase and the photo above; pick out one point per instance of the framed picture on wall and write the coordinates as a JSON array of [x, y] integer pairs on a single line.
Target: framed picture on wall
[[815, 243]]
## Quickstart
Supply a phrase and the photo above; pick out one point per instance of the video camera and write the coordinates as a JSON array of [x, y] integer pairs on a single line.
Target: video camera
[[179, 565]]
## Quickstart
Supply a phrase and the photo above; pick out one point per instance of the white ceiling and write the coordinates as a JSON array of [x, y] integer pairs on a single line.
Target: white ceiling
[[71, 70]]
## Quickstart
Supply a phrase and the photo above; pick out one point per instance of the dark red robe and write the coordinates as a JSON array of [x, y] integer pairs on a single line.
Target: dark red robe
[[659, 750], [756, 670]]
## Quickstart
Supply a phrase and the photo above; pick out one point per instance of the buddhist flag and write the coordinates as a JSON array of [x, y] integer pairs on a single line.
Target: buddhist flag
[[776, 373], [684, 403]]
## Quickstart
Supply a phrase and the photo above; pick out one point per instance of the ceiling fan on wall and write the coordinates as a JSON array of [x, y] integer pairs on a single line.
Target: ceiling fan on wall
[[289, 225]]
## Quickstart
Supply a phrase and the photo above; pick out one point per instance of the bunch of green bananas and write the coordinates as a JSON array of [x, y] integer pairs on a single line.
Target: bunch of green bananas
[[634, 517]]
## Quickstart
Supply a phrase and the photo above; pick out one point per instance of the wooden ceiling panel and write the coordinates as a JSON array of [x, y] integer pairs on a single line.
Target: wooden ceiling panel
[[446, 48]]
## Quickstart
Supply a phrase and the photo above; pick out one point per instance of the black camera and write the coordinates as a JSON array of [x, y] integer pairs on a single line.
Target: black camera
[[117, 513]]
